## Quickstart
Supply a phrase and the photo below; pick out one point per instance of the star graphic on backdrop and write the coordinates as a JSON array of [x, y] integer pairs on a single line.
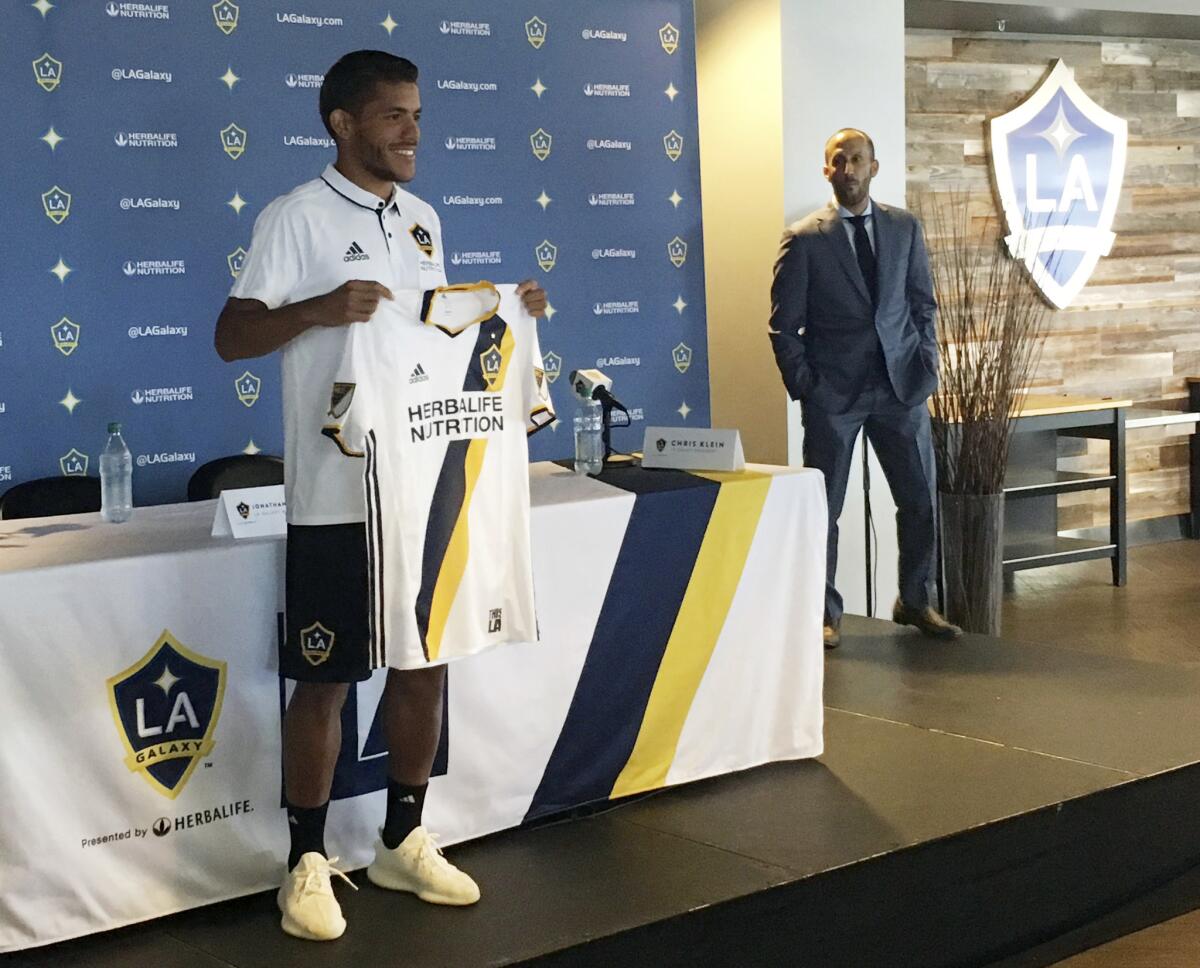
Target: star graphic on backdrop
[[52, 138], [166, 680], [1060, 134], [538, 88], [230, 78], [43, 7], [684, 410], [679, 304], [70, 401], [675, 198], [237, 203], [252, 448], [61, 269], [389, 24], [543, 199], [550, 311], [671, 91]]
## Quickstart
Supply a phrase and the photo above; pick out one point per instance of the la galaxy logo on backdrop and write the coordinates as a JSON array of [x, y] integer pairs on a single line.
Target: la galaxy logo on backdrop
[[552, 363], [57, 205], [540, 142], [48, 72], [225, 14], [73, 463], [235, 260], [1059, 159], [233, 141], [668, 36], [546, 254], [535, 31], [166, 706], [65, 335], [248, 388]]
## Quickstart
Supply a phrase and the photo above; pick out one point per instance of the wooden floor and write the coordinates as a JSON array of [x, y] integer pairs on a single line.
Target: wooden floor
[[1155, 617]]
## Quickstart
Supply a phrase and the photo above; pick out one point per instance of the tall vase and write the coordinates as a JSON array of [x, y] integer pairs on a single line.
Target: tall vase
[[973, 560]]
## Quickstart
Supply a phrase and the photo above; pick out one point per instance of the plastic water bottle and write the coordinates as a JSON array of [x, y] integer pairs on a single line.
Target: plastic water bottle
[[116, 478], [589, 438]]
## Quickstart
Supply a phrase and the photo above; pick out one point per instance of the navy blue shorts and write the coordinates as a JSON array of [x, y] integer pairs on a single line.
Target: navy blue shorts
[[327, 604]]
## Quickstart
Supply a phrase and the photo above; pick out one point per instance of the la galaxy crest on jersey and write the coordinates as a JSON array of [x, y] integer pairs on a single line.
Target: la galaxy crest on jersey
[[422, 237]]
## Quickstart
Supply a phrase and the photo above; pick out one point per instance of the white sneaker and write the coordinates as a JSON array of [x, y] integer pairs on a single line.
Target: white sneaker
[[310, 910], [418, 866]]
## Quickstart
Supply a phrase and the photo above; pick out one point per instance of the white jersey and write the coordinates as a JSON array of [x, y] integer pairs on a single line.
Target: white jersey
[[438, 393], [307, 243]]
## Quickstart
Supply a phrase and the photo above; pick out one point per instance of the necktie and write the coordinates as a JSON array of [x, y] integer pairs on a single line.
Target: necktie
[[866, 257]]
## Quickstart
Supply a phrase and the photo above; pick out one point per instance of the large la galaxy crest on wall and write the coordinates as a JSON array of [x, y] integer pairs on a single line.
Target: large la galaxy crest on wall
[[1058, 160]]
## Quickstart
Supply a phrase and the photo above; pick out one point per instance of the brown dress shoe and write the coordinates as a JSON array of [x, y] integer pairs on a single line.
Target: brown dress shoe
[[832, 636], [927, 619]]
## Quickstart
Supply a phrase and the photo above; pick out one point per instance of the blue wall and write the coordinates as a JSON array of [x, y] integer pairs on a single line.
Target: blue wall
[[150, 239]]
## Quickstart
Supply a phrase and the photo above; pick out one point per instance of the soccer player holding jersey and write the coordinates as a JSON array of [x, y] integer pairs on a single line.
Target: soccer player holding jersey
[[322, 258]]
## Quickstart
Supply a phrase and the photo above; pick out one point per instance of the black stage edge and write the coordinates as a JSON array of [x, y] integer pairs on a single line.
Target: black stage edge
[[977, 801]]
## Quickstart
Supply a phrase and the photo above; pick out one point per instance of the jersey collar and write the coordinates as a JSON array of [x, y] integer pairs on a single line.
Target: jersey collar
[[353, 193]]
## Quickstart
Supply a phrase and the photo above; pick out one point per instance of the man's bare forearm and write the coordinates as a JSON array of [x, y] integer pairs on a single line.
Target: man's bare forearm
[[247, 328]]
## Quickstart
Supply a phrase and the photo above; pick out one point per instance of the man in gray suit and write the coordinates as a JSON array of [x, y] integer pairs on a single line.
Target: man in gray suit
[[852, 326]]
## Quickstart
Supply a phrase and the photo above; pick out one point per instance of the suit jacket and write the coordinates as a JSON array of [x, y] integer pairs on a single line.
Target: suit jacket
[[823, 329]]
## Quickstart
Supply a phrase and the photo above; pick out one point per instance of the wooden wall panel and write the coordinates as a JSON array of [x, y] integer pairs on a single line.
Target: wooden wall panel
[[1134, 331]]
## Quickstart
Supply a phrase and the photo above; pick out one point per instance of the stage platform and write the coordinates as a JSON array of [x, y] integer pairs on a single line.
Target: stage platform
[[975, 799]]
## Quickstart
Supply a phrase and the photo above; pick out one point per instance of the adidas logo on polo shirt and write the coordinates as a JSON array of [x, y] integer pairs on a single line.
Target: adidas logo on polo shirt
[[418, 374], [355, 253]]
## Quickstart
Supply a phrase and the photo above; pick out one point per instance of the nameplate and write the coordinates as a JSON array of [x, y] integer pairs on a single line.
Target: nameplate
[[251, 512], [693, 449]]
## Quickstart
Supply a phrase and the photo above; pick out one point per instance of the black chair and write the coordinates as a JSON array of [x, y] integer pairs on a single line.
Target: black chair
[[240, 470], [48, 496]]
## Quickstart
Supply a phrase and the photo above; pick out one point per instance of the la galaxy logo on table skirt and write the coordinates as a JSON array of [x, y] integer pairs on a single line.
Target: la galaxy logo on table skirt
[[166, 706]]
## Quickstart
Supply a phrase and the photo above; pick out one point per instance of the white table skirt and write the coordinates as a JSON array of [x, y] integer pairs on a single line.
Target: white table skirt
[[88, 843]]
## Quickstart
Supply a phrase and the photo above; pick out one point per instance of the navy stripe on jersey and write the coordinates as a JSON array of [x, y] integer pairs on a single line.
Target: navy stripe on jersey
[[649, 580], [375, 556], [451, 486], [443, 514]]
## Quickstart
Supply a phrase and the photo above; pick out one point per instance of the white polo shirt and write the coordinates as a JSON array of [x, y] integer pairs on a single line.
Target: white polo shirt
[[307, 243]]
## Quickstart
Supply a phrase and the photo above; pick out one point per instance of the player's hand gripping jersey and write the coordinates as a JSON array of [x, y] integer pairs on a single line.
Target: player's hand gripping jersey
[[438, 393]]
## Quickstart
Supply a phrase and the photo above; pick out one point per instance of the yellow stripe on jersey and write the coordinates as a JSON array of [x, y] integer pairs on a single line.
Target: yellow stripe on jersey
[[454, 563], [702, 614]]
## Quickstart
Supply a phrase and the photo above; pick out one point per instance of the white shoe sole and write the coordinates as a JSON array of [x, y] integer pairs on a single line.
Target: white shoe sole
[[397, 882], [293, 927]]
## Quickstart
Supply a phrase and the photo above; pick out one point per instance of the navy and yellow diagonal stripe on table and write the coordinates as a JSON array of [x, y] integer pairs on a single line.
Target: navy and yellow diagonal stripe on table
[[670, 591]]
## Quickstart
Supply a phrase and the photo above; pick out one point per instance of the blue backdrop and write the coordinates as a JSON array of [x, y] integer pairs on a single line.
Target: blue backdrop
[[559, 141]]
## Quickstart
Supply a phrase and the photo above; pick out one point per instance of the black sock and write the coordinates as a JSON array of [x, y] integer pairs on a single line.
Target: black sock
[[404, 805], [307, 828]]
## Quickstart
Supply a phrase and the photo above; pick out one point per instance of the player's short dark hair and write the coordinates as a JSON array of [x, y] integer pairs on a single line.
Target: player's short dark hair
[[852, 131], [351, 81]]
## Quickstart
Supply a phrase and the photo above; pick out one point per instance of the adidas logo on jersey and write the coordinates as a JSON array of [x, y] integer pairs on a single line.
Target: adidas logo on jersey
[[418, 375], [355, 253]]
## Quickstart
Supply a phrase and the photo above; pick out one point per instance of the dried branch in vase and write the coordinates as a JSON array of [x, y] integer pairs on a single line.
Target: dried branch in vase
[[991, 328]]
